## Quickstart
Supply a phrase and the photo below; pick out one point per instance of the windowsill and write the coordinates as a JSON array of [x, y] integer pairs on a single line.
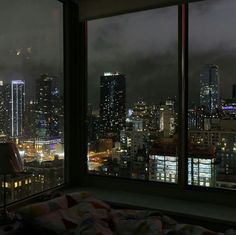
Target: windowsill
[[186, 211]]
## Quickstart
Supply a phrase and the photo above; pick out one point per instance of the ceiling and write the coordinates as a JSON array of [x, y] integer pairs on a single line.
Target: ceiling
[[92, 9]]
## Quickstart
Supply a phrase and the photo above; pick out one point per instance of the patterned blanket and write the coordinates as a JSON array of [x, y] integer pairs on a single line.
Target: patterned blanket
[[82, 214]]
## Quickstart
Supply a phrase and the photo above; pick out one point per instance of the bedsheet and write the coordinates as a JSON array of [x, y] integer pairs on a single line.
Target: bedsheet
[[82, 214]]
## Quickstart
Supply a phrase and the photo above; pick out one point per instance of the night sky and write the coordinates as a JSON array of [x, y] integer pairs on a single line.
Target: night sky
[[141, 45], [34, 30]]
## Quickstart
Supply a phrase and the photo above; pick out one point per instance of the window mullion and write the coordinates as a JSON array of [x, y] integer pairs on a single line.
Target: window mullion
[[183, 95]]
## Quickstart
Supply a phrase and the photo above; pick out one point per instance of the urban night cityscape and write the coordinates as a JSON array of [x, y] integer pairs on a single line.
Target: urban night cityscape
[[133, 102], [31, 94], [132, 94]]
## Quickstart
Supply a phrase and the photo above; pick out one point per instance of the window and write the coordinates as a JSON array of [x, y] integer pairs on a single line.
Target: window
[[132, 94], [195, 171], [31, 93], [212, 97]]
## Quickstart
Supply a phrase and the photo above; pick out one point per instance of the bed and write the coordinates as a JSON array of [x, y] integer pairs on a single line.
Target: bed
[[80, 213]]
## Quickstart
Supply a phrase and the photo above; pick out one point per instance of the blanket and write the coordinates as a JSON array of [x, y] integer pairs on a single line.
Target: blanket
[[82, 214]]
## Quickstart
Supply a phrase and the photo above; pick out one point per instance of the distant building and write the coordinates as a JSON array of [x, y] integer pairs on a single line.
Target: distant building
[[192, 118], [144, 116], [15, 107], [167, 118], [154, 117], [112, 104], [229, 108], [93, 129], [139, 164], [210, 88], [202, 115], [17, 186], [201, 166], [163, 163], [30, 130], [3, 119], [140, 115], [224, 141], [46, 174], [49, 108]]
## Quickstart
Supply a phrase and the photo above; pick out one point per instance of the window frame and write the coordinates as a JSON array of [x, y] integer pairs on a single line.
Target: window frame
[[76, 149]]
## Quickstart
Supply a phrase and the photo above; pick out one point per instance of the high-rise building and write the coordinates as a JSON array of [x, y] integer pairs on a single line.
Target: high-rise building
[[49, 107], [17, 107], [112, 103], [140, 110], [2, 109], [167, 118], [210, 88], [30, 119], [141, 115]]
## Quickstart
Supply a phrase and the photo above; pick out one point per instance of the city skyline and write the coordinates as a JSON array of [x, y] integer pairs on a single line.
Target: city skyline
[[143, 46], [31, 93], [150, 52]]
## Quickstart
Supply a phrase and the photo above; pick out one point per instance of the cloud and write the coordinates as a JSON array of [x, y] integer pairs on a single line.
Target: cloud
[[143, 46], [151, 78], [31, 40], [212, 25]]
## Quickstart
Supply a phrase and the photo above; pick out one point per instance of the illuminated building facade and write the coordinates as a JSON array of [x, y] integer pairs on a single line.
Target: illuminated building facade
[[145, 114], [2, 110], [229, 108], [17, 107], [167, 118], [112, 103], [201, 166], [17, 186], [49, 107], [163, 161], [192, 118], [210, 88], [141, 115], [224, 141]]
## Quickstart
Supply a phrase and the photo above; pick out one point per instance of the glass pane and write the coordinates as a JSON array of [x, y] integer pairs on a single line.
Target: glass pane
[[132, 93], [212, 94], [31, 93]]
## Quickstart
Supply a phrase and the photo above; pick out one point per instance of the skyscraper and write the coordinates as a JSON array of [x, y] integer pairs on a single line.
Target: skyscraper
[[167, 118], [112, 103], [17, 107], [2, 109], [49, 107], [210, 88]]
